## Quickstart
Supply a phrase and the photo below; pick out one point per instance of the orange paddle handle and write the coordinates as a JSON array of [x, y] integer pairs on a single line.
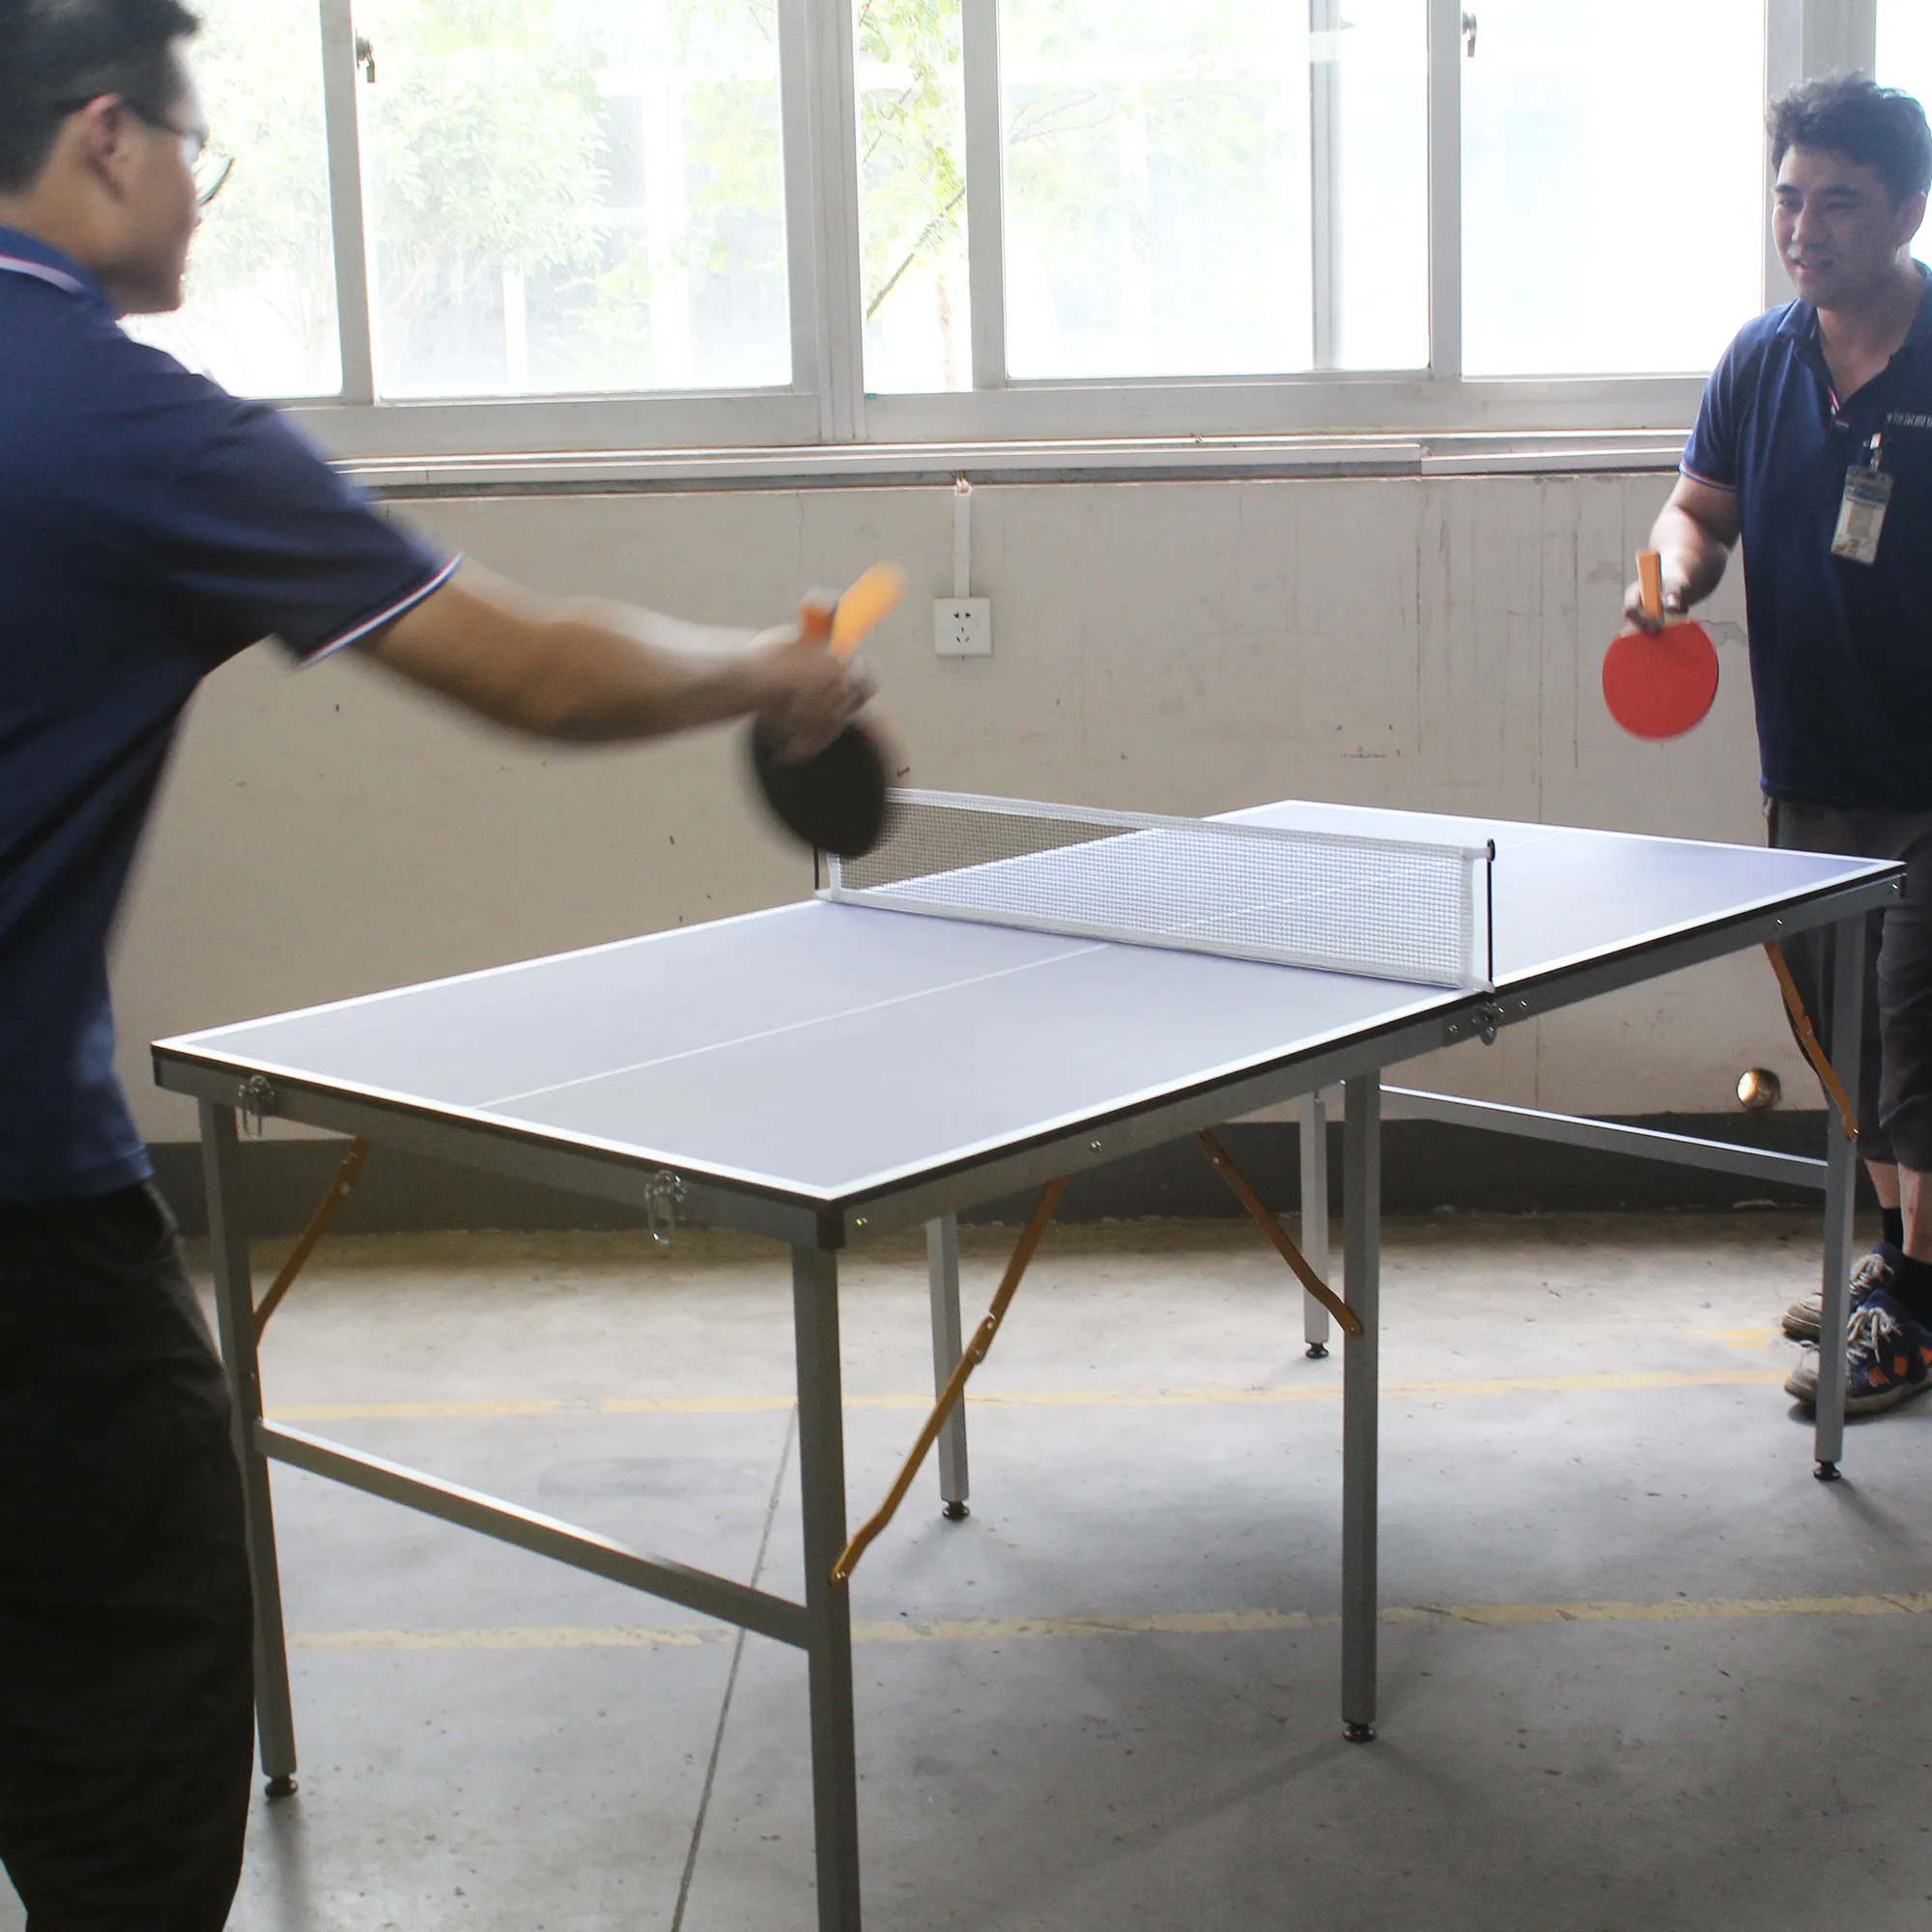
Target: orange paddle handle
[[1650, 575], [841, 625], [815, 624], [868, 598]]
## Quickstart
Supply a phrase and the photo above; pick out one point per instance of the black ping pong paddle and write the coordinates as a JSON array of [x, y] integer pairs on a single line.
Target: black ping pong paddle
[[836, 799]]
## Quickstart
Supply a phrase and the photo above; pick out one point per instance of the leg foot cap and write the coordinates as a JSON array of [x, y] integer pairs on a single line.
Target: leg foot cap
[[1827, 1472], [1359, 1734], [956, 1512], [1317, 1351], [282, 1787]]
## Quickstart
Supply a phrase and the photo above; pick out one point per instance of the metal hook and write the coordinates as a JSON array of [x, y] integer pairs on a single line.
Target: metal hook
[[664, 1196], [254, 1102]]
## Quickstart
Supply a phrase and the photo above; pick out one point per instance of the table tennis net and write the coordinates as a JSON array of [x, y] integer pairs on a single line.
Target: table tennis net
[[1385, 908]]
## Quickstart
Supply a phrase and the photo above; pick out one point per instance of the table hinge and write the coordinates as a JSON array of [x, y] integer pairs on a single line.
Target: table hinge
[[664, 1196], [254, 1102], [1481, 1022]]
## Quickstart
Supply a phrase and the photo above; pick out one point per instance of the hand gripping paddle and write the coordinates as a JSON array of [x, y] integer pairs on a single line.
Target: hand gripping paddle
[[834, 801], [1659, 683]]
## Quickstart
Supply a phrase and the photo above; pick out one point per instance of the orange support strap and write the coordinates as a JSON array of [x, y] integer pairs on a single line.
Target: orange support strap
[[1351, 1323], [346, 1177], [956, 1382], [1814, 1052]]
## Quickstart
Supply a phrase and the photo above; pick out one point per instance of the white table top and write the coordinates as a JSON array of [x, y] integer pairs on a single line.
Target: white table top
[[830, 1051]]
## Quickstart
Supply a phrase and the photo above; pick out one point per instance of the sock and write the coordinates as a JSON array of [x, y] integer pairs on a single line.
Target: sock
[[1911, 1286], [1894, 1226]]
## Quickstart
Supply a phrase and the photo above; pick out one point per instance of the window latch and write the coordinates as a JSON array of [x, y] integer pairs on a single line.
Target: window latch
[[365, 56], [1470, 35]]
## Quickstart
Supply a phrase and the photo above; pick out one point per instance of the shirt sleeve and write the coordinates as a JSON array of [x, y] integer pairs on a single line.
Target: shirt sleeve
[[255, 535], [1711, 456]]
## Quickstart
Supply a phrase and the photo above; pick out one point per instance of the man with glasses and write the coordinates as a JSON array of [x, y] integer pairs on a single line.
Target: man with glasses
[[209, 167], [152, 526]]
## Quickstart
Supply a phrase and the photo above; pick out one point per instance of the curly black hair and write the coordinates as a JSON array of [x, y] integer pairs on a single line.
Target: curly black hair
[[54, 51], [1879, 127]]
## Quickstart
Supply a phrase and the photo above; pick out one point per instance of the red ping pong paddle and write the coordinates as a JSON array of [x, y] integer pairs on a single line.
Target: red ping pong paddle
[[835, 801], [1658, 684]]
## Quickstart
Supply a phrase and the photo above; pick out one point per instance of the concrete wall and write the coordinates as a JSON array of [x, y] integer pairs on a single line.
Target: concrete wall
[[1174, 646]]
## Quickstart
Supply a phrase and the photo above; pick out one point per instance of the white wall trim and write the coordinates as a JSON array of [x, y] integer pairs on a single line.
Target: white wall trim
[[1333, 408], [866, 466]]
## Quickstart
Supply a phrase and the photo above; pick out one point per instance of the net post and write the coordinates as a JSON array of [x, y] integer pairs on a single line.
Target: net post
[[1490, 911]]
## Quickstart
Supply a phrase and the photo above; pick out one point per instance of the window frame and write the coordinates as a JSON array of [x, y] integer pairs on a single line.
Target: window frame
[[826, 407]]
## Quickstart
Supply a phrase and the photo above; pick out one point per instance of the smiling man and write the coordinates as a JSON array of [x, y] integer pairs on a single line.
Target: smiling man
[[151, 527], [1814, 444]]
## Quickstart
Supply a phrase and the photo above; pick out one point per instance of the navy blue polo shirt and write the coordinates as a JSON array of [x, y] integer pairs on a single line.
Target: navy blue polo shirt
[[1840, 652], [151, 527]]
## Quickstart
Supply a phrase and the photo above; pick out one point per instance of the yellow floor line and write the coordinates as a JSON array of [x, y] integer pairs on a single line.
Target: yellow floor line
[[619, 1636], [1142, 1398], [1207, 1623], [1715, 1610]]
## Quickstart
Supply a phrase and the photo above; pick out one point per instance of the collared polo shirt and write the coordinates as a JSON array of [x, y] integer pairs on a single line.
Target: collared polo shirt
[[1840, 652], [151, 527]]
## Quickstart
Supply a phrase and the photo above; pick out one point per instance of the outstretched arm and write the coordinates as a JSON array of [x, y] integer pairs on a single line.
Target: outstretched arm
[[593, 673]]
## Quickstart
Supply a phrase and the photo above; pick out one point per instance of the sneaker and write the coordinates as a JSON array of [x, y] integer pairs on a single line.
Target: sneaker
[[1887, 1359], [1804, 1319]]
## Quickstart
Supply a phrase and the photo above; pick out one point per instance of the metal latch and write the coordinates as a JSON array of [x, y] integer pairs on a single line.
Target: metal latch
[[255, 1101], [664, 1196]]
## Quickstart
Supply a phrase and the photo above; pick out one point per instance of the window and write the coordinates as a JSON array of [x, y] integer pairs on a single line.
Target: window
[[575, 196], [1370, 68], [1156, 188], [1905, 46], [260, 316], [1232, 187], [628, 224], [1612, 184], [912, 186]]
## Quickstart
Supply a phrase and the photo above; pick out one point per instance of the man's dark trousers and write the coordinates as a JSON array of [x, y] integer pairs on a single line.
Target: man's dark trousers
[[126, 1698]]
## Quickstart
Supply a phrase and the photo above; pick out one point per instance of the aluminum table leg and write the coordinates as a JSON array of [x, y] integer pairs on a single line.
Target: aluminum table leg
[[942, 1258], [1363, 1198], [235, 1314], [1841, 1179], [1315, 1217], [821, 1461]]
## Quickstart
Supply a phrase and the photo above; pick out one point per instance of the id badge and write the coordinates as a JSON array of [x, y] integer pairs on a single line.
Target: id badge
[[1861, 515]]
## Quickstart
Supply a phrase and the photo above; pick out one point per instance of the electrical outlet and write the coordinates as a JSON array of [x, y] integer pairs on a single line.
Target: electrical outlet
[[963, 627]]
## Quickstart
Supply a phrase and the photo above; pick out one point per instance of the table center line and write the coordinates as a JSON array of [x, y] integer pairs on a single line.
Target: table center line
[[790, 1025]]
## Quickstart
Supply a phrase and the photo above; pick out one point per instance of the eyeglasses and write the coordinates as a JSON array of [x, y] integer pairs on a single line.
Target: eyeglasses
[[209, 166]]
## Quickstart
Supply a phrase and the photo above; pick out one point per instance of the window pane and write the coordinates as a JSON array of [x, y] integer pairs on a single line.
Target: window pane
[[1381, 191], [912, 187], [1905, 46], [1157, 187], [260, 315], [1581, 125], [575, 196]]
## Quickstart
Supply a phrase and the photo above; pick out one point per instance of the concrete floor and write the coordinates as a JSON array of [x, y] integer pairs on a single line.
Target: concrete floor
[[1636, 1711]]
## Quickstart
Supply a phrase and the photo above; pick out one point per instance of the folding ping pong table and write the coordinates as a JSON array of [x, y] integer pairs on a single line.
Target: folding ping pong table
[[1007, 994]]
